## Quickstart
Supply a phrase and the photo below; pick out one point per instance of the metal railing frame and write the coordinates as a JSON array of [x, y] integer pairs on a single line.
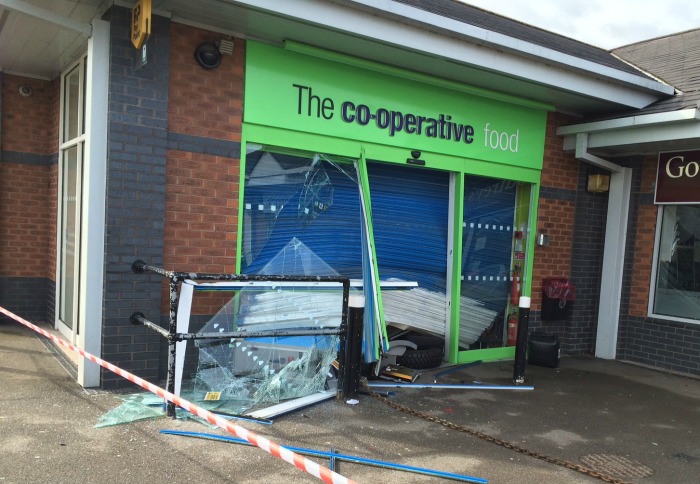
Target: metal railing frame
[[348, 374]]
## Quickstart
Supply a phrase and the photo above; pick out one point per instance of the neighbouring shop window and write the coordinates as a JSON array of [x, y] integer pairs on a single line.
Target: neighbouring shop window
[[677, 285]]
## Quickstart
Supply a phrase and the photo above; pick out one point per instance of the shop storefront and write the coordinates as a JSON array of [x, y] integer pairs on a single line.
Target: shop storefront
[[424, 190], [397, 143], [675, 290]]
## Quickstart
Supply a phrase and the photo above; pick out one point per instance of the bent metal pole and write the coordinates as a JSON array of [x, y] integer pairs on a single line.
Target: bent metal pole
[[323, 473]]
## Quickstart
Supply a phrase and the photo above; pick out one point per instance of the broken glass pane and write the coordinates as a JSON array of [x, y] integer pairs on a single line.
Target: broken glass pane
[[317, 193], [242, 373], [137, 406]]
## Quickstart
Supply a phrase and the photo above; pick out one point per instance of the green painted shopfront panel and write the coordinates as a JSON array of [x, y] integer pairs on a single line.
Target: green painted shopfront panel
[[290, 90], [329, 103]]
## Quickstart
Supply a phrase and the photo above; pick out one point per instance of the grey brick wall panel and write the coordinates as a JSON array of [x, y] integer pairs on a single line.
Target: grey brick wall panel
[[138, 114]]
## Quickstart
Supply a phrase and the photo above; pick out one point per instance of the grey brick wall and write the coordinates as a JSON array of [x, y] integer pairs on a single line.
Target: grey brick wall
[[665, 345], [135, 212], [662, 344], [577, 331], [653, 342], [586, 267], [28, 297]]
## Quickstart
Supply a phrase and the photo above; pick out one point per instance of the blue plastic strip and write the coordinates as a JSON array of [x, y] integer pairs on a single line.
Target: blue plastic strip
[[335, 456], [378, 384]]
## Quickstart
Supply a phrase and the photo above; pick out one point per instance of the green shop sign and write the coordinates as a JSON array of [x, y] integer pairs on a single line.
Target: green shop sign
[[369, 102]]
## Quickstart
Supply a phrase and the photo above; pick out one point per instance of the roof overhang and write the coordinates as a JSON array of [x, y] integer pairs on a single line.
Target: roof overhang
[[383, 31], [644, 134], [404, 36], [41, 37]]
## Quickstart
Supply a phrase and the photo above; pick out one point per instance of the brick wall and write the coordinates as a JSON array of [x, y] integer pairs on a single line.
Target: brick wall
[[560, 168], [28, 192], [665, 345], [658, 343], [204, 115], [554, 217], [173, 172], [27, 122], [575, 222], [644, 235], [135, 204], [586, 267], [205, 103], [556, 206]]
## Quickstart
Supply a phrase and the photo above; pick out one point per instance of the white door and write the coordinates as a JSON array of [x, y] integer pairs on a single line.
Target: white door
[[72, 149]]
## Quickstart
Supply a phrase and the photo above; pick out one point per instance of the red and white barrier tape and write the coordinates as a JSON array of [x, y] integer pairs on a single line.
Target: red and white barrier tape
[[323, 473]]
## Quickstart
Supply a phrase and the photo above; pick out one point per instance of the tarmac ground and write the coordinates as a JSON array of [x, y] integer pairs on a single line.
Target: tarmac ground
[[629, 423]]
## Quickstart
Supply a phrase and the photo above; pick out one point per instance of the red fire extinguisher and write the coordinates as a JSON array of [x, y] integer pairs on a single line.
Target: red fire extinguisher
[[512, 328], [514, 292]]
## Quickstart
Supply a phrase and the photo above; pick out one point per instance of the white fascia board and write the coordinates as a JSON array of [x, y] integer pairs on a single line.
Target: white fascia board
[[637, 135], [630, 121], [646, 134], [648, 128], [507, 55]]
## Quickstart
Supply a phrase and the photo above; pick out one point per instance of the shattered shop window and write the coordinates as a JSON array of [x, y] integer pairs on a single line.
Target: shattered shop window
[[677, 285], [304, 196]]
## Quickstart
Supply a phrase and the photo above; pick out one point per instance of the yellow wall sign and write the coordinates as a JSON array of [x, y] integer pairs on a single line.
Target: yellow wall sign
[[140, 22]]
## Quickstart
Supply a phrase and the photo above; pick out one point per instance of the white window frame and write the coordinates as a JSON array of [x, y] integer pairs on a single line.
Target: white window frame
[[654, 272], [65, 145], [93, 193]]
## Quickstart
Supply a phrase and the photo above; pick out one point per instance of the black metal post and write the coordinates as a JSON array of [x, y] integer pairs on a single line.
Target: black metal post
[[521, 340], [172, 341], [351, 361], [139, 318]]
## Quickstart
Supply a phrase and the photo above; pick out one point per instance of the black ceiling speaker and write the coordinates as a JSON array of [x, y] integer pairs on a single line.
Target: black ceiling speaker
[[207, 55]]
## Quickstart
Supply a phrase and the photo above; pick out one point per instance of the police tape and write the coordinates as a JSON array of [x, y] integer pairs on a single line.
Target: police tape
[[316, 470]]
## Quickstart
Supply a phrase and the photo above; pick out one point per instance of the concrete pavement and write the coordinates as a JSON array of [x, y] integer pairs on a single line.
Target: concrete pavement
[[632, 423]]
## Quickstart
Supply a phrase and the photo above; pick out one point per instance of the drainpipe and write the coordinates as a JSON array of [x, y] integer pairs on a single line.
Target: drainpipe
[[614, 249]]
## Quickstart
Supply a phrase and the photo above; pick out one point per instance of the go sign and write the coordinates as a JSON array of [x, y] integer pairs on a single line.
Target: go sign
[[140, 23], [678, 177]]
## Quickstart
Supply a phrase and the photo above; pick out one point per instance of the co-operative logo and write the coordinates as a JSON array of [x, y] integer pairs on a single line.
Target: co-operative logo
[[437, 126]]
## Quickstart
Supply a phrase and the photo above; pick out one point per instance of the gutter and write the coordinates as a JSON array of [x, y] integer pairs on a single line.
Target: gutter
[[582, 154]]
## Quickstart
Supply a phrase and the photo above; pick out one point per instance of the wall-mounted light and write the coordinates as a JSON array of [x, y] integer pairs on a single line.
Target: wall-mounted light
[[598, 183], [542, 239], [25, 90], [207, 55]]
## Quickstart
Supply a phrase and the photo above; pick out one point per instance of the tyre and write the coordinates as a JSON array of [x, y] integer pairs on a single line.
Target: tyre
[[421, 359]]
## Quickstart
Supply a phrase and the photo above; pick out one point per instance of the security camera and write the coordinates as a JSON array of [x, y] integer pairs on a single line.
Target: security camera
[[415, 154], [25, 90]]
